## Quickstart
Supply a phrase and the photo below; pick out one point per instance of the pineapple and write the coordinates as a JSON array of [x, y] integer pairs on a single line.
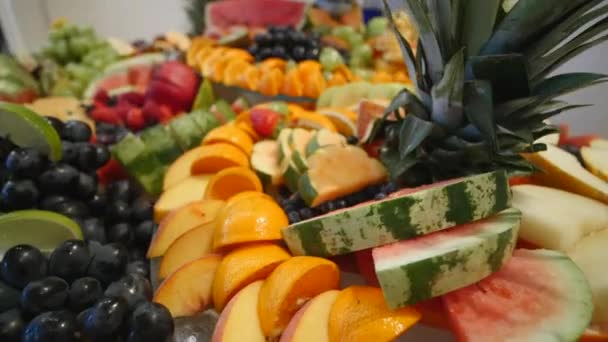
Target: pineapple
[[195, 11], [482, 84]]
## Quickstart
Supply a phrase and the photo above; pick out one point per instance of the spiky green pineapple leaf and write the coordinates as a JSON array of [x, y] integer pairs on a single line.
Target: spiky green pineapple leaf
[[478, 24], [566, 83], [412, 133], [396, 165], [446, 18], [546, 130], [505, 109], [478, 108], [448, 93], [508, 74]]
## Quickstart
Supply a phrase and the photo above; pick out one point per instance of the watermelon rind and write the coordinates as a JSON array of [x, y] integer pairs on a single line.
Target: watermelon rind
[[204, 120], [429, 266], [401, 217], [323, 138], [264, 160], [159, 140], [186, 132], [141, 163]]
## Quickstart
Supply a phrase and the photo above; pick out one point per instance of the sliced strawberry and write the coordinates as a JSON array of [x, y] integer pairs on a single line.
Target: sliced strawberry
[[107, 115], [112, 171], [579, 141], [101, 98], [135, 119], [518, 180], [373, 148], [134, 98], [264, 121]]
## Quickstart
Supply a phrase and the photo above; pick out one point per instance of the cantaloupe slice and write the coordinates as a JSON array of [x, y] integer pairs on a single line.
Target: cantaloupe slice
[[599, 143], [562, 170], [596, 160]]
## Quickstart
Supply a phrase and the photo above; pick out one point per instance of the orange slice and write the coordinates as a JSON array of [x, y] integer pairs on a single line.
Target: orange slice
[[311, 73], [249, 218], [290, 286], [381, 77], [242, 267], [207, 65], [193, 244], [250, 78], [402, 77], [216, 157], [293, 85], [233, 72], [232, 181], [336, 80], [271, 82], [243, 122], [311, 120], [343, 70], [360, 314], [180, 168], [272, 63], [232, 135]]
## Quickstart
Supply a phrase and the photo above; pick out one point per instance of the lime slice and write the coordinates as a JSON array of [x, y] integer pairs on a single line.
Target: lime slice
[[43, 229], [28, 129]]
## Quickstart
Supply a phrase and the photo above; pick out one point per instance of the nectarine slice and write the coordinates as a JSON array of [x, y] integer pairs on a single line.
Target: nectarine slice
[[290, 286], [310, 322], [180, 221], [232, 181], [190, 189], [180, 169], [193, 244], [216, 157], [239, 321], [243, 266], [187, 291], [251, 218], [231, 135], [360, 313]]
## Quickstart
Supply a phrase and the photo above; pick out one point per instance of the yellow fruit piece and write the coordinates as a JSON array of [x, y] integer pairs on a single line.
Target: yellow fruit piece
[[344, 71], [250, 78], [311, 120], [207, 65], [310, 322], [216, 157], [242, 267], [198, 43], [596, 160], [239, 321], [180, 168], [402, 77], [290, 286], [249, 218], [336, 80], [234, 72], [311, 74], [231, 181], [344, 119], [231, 135], [381, 77], [293, 85], [271, 82], [360, 314], [188, 190]]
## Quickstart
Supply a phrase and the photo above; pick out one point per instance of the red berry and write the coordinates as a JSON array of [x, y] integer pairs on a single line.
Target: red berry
[[101, 97], [133, 98], [373, 148], [264, 120], [135, 119], [106, 114], [110, 172]]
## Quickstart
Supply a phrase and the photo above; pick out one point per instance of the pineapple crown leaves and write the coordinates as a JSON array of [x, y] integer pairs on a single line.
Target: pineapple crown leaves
[[195, 11], [482, 83]]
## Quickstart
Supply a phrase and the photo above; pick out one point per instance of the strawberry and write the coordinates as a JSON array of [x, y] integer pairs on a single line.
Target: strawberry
[[153, 112], [134, 98], [264, 121], [135, 119], [106, 114], [110, 172], [101, 98]]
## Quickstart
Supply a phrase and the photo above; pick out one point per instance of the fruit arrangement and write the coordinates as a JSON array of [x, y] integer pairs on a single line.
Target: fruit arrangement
[[16, 84]]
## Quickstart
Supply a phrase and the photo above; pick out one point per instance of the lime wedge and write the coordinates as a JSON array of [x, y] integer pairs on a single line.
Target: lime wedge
[[28, 129], [42, 229]]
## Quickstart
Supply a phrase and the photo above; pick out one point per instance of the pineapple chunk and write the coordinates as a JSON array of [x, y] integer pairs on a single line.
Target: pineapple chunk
[[596, 160], [599, 143]]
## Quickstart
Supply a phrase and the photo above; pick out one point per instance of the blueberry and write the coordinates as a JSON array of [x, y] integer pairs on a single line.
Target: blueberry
[[341, 204], [76, 131], [352, 140], [57, 124], [87, 186], [379, 196], [25, 163], [87, 157], [61, 179], [265, 53], [305, 213], [150, 322], [294, 217], [69, 152], [263, 39], [9, 297], [103, 127], [136, 254], [70, 260], [140, 267], [73, 209], [105, 138], [51, 326], [104, 321], [143, 233], [120, 232], [142, 209], [279, 38], [22, 264], [253, 49], [11, 325], [390, 188], [50, 293], [117, 211], [279, 52], [109, 261], [298, 53], [97, 203], [134, 288], [52, 202], [312, 53], [120, 191], [84, 292], [102, 155], [93, 229], [20, 194]]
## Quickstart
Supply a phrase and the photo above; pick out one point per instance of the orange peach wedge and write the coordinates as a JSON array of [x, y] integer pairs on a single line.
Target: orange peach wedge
[[180, 168], [187, 291], [216, 157], [244, 266], [239, 320], [249, 218], [310, 322], [231, 181], [188, 190], [191, 245], [180, 221], [231, 135], [290, 286], [360, 314]]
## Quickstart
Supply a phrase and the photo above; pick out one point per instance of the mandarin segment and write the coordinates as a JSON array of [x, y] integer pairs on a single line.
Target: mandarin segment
[[216, 157], [232, 135]]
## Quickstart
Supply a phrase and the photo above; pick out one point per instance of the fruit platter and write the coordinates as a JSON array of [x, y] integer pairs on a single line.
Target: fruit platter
[[307, 173]]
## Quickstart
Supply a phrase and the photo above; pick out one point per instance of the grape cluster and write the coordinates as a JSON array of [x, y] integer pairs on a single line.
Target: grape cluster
[[84, 291], [285, 43], [75, 55]]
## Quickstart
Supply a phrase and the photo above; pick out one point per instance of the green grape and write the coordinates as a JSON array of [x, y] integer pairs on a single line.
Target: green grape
[[70, 31], [355, 39], [363, 51], [377, 26], [62, 87], [365, 74], [60, 51], [79, 46], [80, 71], [56, 35], [330, 58], [87, 31], [343, 31], [357, 62]]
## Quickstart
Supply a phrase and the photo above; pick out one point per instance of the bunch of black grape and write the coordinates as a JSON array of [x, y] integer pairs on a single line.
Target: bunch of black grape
[[285, 43], [84, 291]]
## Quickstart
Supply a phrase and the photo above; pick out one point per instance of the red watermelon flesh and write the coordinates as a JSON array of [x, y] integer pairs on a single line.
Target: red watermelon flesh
[[222, 15], [539, 295]]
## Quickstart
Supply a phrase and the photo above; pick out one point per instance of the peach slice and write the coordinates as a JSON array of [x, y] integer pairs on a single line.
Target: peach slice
[[193, 244], [249, 218], [180, 169], [180, 221], [243, 266], [216, 157], [187, 291], [239, 321], [360, 313], [310, 322], [188, 190], [290, 286], [232, 181], [230, 134]]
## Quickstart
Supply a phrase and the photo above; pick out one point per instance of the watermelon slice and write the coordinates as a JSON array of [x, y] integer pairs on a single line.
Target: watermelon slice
[[221, 16], [539, 295]]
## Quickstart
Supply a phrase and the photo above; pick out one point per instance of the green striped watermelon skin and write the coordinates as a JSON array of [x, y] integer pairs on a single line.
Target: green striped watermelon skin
[[430, 266], [399, 218]]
